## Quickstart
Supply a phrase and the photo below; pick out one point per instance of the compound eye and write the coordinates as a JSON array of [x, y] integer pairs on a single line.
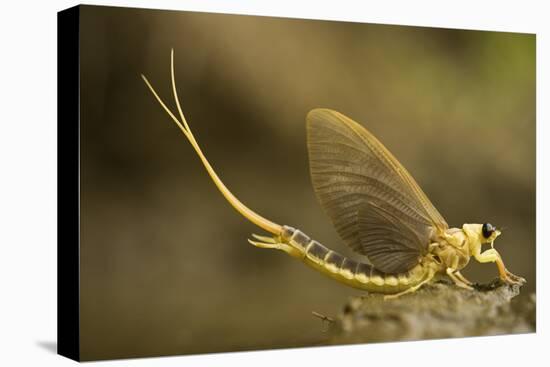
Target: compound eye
[[488, 229]]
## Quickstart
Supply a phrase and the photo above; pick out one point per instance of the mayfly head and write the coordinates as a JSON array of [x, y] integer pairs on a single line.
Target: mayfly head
[[479, 234], [489, 233]]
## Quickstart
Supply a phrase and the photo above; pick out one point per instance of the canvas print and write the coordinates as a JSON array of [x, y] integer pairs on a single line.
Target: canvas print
[[251, 182]]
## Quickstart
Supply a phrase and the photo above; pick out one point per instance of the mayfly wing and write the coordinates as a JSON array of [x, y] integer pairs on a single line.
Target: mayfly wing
[[375, 204]]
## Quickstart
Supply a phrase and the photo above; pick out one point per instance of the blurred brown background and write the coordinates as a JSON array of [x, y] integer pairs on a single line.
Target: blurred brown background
[[165, 266]]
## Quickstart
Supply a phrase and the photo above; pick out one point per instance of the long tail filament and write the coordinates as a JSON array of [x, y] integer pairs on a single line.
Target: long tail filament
[[184, 127]]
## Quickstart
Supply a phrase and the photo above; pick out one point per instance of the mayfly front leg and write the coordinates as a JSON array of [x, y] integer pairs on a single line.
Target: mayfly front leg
[[492, 255]]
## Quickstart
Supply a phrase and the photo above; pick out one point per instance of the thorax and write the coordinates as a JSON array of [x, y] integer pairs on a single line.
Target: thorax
[[452, 249]]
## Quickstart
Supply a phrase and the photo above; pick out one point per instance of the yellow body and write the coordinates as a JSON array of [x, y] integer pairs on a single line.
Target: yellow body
[[447, 255]]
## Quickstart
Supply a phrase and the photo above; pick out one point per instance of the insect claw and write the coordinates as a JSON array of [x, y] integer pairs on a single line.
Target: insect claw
[[510, 278], [263, 238], [264, 244], [514, 277]]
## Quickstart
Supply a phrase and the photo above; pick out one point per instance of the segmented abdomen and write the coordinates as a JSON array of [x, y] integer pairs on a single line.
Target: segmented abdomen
[[356, 274]]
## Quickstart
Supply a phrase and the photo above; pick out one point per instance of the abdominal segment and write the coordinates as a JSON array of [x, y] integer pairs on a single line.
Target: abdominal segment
[[345, 270]]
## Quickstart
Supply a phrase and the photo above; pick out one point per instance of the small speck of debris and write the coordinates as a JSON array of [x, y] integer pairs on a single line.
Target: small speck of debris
[[327, 320]]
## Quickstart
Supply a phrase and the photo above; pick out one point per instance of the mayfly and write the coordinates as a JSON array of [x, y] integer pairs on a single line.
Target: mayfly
[[377, 208]]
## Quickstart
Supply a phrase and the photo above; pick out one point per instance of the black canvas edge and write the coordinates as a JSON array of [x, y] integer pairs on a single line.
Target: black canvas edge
[[68, 183]]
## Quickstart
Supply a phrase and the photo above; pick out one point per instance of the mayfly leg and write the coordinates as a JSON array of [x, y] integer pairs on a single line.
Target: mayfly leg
[[429, 276], [459, 275]]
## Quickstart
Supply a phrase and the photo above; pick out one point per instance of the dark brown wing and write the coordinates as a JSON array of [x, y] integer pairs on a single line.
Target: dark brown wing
[[375, 204]]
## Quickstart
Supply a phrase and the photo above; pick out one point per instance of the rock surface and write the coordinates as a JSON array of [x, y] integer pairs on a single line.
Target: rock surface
[[439, 310]]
